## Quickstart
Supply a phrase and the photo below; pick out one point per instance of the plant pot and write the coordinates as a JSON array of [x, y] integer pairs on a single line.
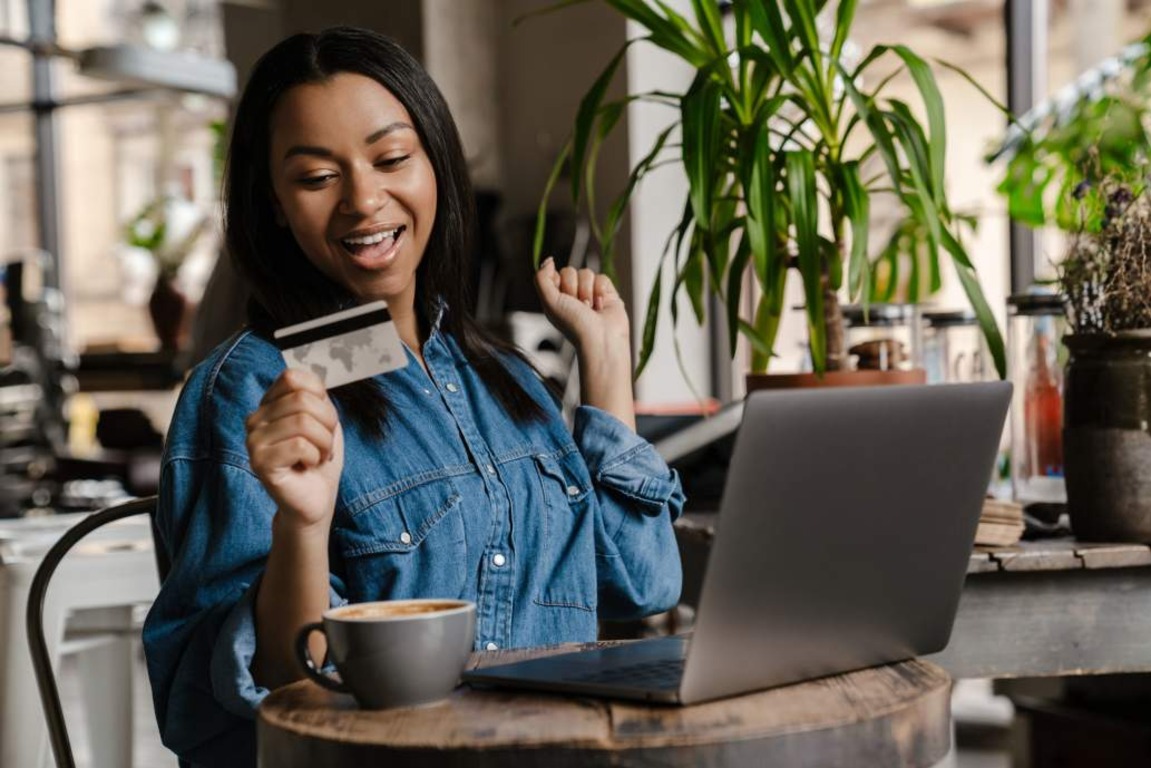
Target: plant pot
[[866, 378], [1107, 436], [170, 311]]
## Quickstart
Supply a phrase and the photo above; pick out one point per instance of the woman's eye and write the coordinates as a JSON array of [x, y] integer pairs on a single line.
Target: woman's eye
[[315, 181], [392, 162]]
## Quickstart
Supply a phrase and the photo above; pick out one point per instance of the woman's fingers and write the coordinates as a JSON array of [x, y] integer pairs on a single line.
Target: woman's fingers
[[296, 451], [586, 288], [295, 424], [294, 380], [299, 424], [297, 401], [604, 292]]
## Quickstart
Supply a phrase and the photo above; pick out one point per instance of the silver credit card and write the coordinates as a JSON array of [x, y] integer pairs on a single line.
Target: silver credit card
[[345, 346]]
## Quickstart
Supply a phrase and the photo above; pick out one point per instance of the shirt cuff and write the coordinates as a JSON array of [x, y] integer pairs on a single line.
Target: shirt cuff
[[624, 462], [231, 666]]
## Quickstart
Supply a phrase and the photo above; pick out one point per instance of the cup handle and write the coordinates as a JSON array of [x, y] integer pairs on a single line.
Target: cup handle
[[304, 656]]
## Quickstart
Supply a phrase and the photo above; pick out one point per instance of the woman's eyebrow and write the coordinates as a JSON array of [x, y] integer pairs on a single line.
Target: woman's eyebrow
[[390, 128], [303, 149]]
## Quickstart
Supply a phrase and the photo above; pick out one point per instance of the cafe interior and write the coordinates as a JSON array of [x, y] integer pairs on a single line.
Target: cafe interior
[[114, 122]]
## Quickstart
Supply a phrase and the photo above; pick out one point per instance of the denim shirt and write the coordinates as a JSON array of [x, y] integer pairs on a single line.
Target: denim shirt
[[544, 528]]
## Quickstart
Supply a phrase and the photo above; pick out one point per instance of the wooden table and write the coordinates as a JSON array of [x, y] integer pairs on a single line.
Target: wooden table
[[1044, 608], [897, 715], [1051, 608]]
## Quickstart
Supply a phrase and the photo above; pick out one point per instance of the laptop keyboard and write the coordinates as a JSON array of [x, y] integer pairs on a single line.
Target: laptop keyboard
[[664, 673]]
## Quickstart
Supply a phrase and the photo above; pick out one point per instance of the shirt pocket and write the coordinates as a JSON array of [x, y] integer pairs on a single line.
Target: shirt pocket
[[566, 572], [407, 543]]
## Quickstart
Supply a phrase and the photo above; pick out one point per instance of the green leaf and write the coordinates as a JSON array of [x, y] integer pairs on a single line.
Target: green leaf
[[585, 118], [681, 41], [801, 192], [541, 214], [615, 213], [936, 123], [692, 273], [544, 11], [759, 191], [609, 116], [707, 15], [700, 120], [651, 319], [768, 21], [802, 16], [983, 314], [735, 275], [844, 15], [857, 209]]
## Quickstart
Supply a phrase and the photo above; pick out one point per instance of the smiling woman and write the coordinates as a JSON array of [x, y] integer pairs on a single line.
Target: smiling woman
[[360, 199], [453, 476]]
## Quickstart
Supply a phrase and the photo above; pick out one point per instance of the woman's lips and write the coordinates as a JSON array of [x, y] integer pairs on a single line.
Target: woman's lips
[[377, 254]]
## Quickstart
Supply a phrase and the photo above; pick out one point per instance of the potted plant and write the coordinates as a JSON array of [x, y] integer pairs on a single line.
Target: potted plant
[[1094, 128], [1079, 161], [1106, 282], [778, 134], [168, 228]]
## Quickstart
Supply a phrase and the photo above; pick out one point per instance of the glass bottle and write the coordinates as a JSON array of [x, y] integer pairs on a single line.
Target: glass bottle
[[1035, 335]]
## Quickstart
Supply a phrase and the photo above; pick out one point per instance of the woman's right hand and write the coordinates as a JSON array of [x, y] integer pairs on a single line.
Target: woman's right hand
[[296, 448]]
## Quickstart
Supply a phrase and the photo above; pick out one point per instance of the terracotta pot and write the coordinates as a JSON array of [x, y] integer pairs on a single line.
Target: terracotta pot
[[1107, 436], [170, 311], [866, 378]]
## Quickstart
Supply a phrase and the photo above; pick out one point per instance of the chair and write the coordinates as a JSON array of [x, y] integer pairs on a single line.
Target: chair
[[37, 642]]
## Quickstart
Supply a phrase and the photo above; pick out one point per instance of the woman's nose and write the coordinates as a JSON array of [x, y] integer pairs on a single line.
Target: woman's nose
[[364, 193]]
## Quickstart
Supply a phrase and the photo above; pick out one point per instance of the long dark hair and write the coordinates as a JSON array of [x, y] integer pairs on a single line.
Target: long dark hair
[[285, 287]]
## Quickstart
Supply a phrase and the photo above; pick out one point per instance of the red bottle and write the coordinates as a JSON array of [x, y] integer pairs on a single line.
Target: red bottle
[[1043, 414]]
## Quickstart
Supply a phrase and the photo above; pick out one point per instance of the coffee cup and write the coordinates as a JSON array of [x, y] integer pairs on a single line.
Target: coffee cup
[[393, 653]]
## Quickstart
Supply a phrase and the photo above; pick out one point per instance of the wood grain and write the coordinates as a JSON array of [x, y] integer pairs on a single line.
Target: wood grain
[[1051, 622], [895, 715]]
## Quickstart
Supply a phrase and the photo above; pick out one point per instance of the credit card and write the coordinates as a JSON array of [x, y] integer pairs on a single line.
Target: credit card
[[345, 346]]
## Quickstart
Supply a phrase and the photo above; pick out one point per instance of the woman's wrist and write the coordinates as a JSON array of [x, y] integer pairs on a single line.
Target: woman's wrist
[[605, 382], [290, 531]]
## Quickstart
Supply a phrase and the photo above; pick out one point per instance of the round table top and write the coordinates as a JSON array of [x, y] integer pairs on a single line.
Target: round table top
[[898, 714]]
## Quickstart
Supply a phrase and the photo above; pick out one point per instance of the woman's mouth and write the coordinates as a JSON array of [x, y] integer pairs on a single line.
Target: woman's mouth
[[376, 249]]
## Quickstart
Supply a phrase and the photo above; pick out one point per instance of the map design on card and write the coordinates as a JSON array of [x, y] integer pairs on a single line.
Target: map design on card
[[346, 346]]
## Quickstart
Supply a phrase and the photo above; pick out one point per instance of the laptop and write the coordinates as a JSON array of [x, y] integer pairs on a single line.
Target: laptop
[[845, 529]]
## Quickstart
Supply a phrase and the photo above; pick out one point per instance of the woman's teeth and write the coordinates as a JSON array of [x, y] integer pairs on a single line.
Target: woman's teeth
[[375, 239]]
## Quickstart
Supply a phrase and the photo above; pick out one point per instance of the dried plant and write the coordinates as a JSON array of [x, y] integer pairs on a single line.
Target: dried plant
[[1106, 275]]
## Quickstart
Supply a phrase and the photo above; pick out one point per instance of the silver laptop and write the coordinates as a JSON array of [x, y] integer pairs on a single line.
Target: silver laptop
[[844, 534]]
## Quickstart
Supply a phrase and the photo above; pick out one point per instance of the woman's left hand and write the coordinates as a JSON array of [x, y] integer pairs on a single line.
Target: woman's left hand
[[586, 308]]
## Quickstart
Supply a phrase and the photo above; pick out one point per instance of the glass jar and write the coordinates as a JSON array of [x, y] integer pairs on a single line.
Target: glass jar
[[884, 338], [953, 347], [1036, 325]]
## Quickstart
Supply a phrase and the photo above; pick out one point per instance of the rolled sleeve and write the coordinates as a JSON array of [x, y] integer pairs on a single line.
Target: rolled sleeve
[[625, 463], [231, 663], [637, 499]]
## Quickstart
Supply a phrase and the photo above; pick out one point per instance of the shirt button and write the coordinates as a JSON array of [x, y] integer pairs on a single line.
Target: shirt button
[[491, 469], [573, 490], [452, 388], [498, 560], [406, 537], [492, 647]]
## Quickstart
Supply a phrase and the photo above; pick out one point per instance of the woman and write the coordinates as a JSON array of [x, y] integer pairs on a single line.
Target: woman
[[451, 477]]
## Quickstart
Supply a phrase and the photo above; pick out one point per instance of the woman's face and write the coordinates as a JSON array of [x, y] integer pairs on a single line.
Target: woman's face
[[352, 182]]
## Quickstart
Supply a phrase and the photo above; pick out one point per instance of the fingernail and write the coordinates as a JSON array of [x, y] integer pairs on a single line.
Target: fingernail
[[548, 262]]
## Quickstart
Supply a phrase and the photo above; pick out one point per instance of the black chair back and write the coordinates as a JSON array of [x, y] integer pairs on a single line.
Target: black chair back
[[37, 644]]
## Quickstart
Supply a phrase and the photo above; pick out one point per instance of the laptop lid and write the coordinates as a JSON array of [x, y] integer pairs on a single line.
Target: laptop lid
[[845, 530]]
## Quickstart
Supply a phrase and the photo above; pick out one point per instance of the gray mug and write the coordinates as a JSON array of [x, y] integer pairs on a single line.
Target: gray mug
[[393, 653]]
